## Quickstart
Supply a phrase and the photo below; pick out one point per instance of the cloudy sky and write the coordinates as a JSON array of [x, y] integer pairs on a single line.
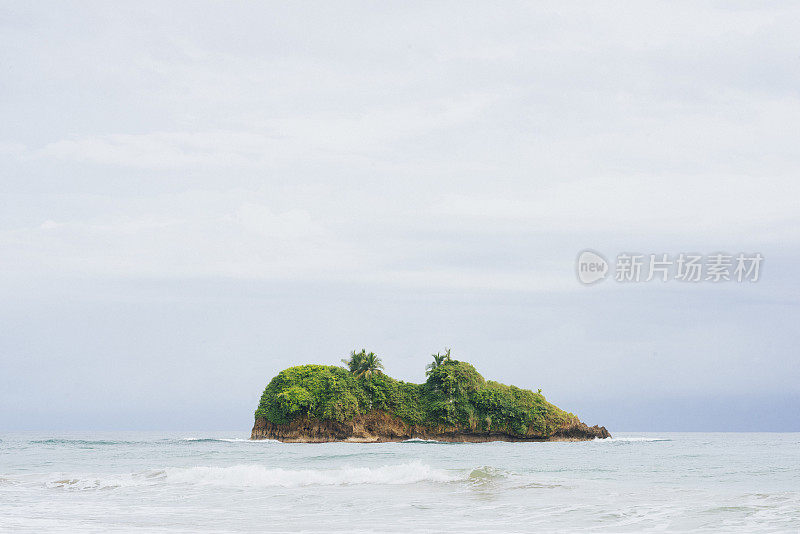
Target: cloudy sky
[[194, 196]]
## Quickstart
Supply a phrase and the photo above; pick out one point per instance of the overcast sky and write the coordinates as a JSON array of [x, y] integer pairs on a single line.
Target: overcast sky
[[194, 196]]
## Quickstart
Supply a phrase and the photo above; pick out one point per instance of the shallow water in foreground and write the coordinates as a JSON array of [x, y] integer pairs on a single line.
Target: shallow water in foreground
[[220, 482]]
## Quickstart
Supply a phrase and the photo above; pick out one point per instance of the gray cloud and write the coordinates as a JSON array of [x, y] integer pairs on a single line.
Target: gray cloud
[[397, 176]]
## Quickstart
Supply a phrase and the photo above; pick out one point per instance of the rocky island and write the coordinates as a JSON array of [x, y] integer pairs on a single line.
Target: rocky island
[[322, 403]]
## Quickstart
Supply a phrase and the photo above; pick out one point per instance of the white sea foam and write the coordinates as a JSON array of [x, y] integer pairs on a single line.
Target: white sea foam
[[258, 476], [105, 481]]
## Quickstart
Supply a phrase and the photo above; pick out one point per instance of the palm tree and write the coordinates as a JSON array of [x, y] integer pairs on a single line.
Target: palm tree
[[354, 362], [438, 359], [363, 363], [370, 365]]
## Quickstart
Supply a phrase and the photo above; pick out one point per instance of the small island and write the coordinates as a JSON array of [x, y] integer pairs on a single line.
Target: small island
[[359, 403]]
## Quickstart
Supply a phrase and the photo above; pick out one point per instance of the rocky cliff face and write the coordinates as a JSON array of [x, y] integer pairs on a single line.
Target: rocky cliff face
[[377, 427]]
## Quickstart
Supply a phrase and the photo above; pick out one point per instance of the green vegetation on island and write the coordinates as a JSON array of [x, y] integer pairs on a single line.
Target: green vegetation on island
[[454, 396]]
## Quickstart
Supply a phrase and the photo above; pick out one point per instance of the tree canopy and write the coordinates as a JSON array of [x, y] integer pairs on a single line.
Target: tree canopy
[[454, 395]]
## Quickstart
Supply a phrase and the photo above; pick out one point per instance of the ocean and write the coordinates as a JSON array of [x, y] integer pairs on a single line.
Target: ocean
[[222, 482]]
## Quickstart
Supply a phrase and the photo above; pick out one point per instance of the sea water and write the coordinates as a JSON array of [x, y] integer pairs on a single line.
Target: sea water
[[223, 482]]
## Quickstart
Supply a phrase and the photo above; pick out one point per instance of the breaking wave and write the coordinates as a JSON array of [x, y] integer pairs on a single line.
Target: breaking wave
[[260, 476], [486, 473]]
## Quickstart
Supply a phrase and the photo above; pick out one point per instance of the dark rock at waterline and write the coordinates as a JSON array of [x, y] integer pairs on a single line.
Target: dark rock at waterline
[[380, 427]]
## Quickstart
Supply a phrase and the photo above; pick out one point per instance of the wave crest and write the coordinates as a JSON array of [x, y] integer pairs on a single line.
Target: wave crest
[[256, 475], [260, 476]]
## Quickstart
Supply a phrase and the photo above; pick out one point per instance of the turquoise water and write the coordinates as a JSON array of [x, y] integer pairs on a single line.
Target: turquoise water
[[221, 482]]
